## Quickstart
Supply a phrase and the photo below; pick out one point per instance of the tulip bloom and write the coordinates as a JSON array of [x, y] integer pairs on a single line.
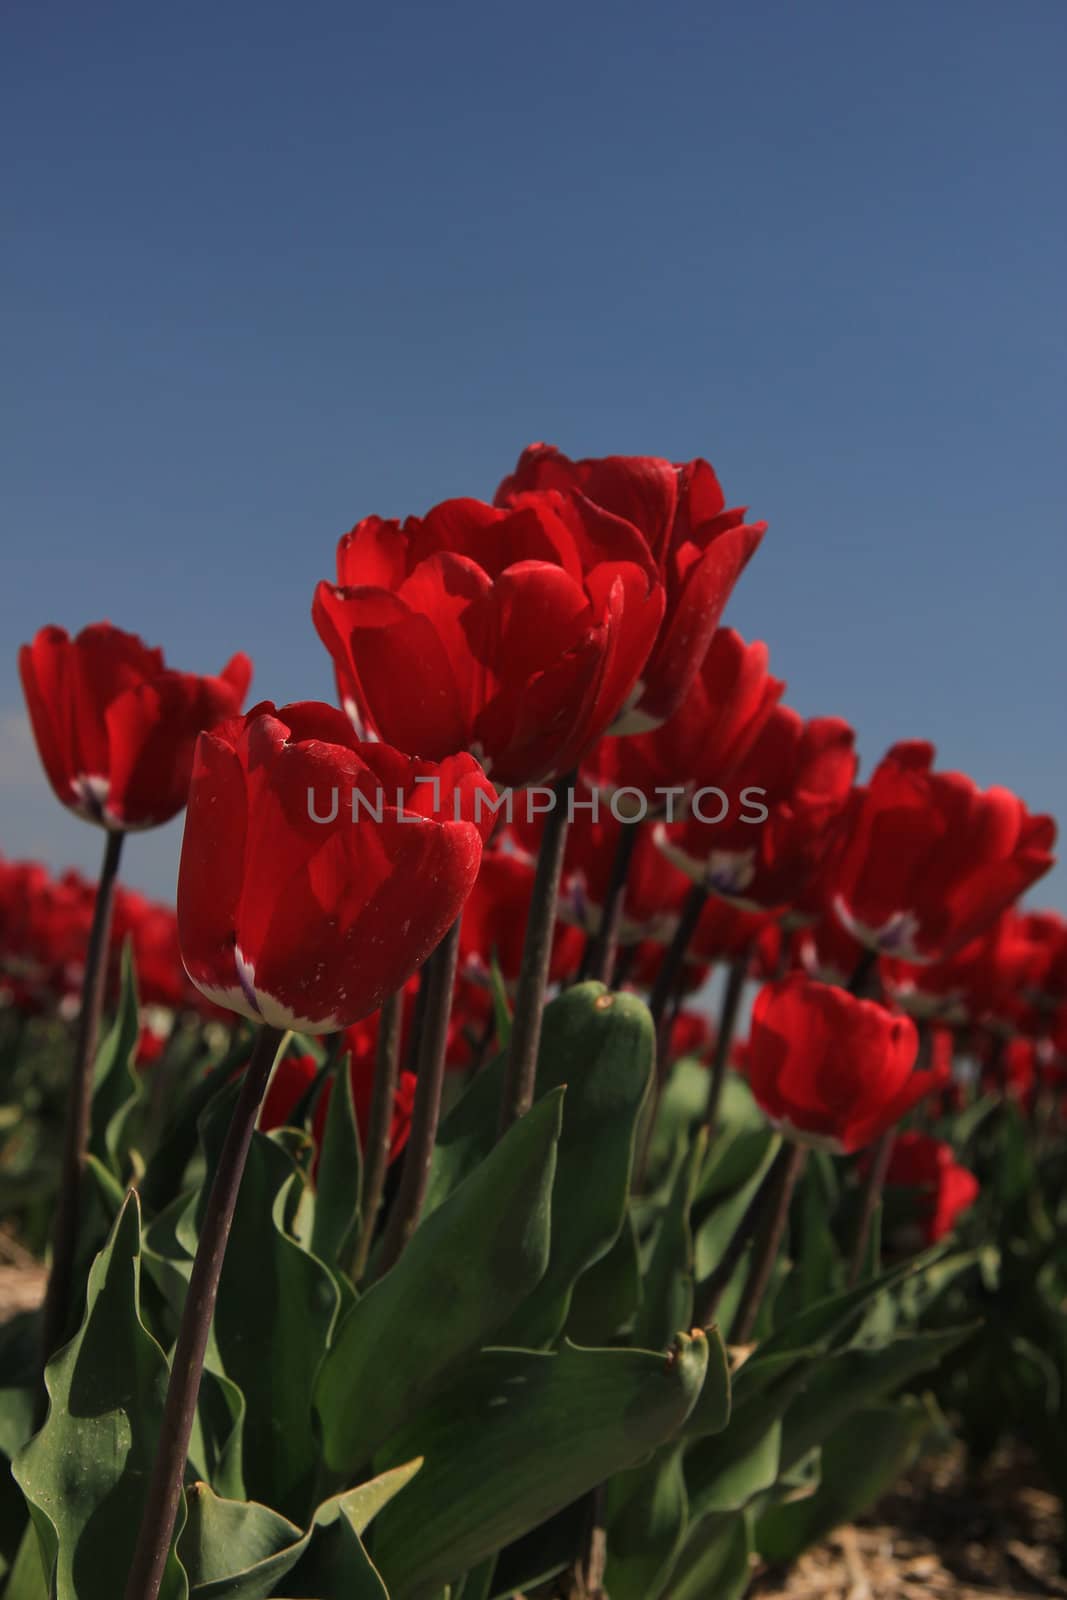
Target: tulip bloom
[[762, 840], [115, 727], [930, 860], [729, 703], [515, 635], [699, 547], [945, 1189], [317, 872], [829, 1069]]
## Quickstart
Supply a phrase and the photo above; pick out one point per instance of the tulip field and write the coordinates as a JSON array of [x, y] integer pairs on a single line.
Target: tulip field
[[584, 1129]]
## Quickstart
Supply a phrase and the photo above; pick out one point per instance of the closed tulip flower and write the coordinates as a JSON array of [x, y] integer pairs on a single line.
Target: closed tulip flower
[[115, 727], [829, 1069], [317, 872], [930, 861], [513, 634], [942, 1189], [700, 548]]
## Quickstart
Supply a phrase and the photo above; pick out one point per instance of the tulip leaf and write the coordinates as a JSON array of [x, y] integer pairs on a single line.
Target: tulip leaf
[[647, 1510], [467, 1267], [847, 1381], [26, 1579], [711, 1414], [243, 1551], [84, 1474], [667, 1290], [600, 1046], [234, 1547], [860, 1460], [270, 1289], [607, 1295], [516, 1438], [116, 1085], [339, 1179], [215, 1449], [716, 1559]]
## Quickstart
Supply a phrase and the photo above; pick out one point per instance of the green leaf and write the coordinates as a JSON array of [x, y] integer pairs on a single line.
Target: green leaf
[[647, 1516], [859, 1462], [339, 1180], [727, 1478], [272, 1289], [116, 1084], [667, 1291], [607, 1295], [517, 1437], [26, 1580], [163, 1175], [235, 1548], [849, 1380], [243, 1551], [216, 1445], [716, 1560], [85, 1473], [600, 1047], [467, 1267], [711, 1413]]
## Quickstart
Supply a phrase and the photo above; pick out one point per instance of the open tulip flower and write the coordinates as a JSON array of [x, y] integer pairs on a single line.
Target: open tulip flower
[[116, 727], [317, 872], [761, 840], [828, 1069], [700, 548], [514, 634], [930, 860], [726, 708]]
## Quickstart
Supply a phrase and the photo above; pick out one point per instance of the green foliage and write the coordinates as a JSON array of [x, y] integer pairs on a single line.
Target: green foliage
[[441, 1433], [84, 1473]]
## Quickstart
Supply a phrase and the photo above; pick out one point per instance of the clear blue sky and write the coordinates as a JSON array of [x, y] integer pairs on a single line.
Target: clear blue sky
[[271, 267]]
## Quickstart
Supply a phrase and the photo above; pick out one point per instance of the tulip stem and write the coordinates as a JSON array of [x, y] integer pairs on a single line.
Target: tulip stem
[[521, 1073], [731, 1006], [379, 1129], [715, 1284], [598, 962], [187, 1363], [768, 1243], [425, 1113], [79, 1110], [670, 969], [873, 1185]]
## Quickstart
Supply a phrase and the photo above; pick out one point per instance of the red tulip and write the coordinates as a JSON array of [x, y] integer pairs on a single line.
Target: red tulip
[[115, 727], [945, 1189], [830, 1069], [728, 705], [515, 635], [930, 860], [317, 872], [762, 840], [699, 546]]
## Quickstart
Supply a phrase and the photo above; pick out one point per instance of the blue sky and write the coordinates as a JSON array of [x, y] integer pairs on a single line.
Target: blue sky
[[269, 268]]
